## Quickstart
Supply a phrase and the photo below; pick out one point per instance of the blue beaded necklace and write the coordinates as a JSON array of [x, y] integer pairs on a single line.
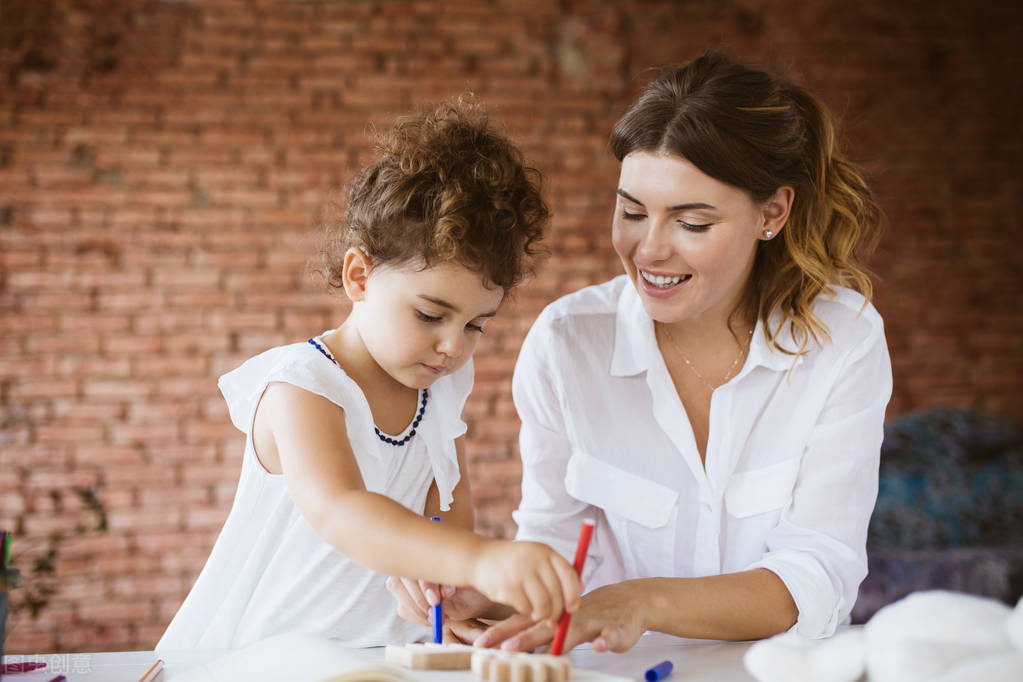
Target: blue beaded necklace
[[383, 436]]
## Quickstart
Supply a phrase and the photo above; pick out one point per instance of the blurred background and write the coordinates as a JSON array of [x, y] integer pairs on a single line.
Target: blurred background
[[164, 163]]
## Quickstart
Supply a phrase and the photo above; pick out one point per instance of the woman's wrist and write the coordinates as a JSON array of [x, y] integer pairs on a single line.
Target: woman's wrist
[[648, 600]]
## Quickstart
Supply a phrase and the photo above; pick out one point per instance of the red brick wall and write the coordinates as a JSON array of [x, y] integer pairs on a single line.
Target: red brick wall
[[161, 168]]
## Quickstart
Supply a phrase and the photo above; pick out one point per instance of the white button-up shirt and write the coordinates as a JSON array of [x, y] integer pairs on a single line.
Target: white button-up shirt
[[791, 461]]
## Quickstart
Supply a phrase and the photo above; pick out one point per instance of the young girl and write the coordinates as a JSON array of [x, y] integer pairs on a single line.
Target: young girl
[[354, 437]]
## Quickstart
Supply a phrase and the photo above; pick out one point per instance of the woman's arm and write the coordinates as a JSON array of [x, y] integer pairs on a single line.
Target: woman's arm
[[735, 606]]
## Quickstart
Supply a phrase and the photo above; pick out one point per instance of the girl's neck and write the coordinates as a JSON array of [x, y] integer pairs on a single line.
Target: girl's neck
[[351, 353]]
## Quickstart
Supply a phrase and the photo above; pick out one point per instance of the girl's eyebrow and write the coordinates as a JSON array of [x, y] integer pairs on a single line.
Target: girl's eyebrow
[[450, 306], [679, 207]]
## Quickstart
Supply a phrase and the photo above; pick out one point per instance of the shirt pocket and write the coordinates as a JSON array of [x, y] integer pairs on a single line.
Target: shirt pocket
[[761, 490], [640, 512]]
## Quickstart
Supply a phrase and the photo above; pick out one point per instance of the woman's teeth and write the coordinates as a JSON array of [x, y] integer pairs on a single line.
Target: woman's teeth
[[662, 281]]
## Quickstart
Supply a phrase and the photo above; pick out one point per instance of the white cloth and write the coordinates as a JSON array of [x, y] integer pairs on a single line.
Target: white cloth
[[791, 460], [269, 572]]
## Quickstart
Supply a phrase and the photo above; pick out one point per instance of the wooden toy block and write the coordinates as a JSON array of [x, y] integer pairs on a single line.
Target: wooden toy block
[[506, 666], [430, 656]]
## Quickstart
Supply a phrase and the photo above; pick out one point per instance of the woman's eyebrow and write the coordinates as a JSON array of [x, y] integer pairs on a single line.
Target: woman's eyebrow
[[679, 207]]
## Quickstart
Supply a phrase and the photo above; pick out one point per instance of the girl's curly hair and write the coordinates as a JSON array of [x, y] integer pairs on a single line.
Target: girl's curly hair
[[447, 186]]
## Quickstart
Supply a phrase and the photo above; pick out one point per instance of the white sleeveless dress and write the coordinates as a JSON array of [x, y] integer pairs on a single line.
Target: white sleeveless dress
[[269, 572]]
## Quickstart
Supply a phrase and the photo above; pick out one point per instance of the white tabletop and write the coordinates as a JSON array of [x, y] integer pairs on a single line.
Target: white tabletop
[[694, 661]]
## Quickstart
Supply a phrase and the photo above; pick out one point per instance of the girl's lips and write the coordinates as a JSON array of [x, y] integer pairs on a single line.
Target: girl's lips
[[432, 368]]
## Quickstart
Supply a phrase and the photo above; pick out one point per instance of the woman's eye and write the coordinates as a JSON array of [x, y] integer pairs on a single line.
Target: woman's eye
[[695, 228], [426, 318], [632, 216]]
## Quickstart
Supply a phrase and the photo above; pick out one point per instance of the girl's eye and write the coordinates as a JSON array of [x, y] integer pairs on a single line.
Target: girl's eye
[[695, 228], [632, 216], [426, 318], [475, 327]]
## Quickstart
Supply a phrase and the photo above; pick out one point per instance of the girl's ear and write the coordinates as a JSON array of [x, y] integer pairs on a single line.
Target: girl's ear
[[775, 211], [355, 273]]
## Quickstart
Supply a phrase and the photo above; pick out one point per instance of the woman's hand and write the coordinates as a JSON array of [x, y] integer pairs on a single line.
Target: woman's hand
[[530, 577], [416, 597], [612, 617]]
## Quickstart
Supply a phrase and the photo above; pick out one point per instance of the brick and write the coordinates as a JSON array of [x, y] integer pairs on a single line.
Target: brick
[[167, 365], [123, 389], [51, 388], [147, 433], [106, 611], [106, 455], [60, 433]]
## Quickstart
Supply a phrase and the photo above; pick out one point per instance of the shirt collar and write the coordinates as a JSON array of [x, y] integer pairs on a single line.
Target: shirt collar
[[634, 334], [765, 355], [635, 340]]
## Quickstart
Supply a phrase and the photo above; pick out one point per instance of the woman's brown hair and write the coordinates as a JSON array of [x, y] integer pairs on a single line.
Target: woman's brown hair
[[446, 186], [758, 132]]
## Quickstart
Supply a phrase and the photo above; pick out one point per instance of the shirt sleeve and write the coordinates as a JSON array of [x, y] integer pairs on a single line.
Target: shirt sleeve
[[547, 513], [818, 548]]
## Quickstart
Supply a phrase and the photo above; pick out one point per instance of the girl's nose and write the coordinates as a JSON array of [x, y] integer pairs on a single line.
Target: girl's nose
[[450, 344]]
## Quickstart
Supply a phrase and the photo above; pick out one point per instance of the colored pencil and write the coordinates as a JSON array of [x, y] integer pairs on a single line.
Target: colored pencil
[[658, 672], [585, 533], [26, 667], [153, 672], [438, 610]]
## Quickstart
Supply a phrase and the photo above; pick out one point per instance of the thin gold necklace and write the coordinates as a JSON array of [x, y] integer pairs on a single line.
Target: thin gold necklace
[[699, 376]]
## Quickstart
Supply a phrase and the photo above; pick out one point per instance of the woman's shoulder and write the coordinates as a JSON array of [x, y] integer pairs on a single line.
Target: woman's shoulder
[[851, 319]]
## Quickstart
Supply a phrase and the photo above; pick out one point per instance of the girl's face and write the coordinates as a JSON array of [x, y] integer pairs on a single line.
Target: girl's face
[[419, 325], [687, 240]]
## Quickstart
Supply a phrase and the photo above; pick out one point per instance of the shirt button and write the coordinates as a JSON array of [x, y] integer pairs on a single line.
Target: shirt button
[[708, 506]]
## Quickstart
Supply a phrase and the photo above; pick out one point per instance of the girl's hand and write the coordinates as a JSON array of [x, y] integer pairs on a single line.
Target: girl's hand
[[612, 617], [528, 576], [416, 597]]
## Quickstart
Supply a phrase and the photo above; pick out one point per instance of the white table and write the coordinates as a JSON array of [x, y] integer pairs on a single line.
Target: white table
[[694, 661]]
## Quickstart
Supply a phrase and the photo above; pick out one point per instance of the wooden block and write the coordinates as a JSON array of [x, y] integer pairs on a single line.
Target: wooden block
[[430, 656], [505, 666]]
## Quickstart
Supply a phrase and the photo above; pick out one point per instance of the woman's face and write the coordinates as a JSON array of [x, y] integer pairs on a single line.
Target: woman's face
[[687, 240]]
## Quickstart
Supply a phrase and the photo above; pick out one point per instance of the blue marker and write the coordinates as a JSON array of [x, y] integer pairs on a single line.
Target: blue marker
[[658, 672], [438, 611]]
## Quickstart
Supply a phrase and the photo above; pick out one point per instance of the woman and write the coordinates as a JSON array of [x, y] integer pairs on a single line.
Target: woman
[[718, 409]]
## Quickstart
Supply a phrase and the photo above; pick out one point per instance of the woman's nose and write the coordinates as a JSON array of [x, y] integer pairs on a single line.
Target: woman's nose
[[655, 244]]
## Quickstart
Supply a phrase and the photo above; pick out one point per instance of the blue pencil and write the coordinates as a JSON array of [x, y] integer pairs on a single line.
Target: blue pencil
[[438, 611]]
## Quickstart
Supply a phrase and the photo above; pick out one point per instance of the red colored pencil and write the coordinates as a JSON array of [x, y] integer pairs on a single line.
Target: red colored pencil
[[585, 533]]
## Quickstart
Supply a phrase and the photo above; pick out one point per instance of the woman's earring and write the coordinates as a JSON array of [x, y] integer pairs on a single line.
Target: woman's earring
[[768, 234]]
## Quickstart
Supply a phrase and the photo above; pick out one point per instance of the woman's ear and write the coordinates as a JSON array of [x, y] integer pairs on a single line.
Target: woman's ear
[[355, 273], [775, 212]]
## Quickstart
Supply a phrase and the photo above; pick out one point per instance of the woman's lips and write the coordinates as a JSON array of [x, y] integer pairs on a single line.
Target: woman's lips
[[653, 290]]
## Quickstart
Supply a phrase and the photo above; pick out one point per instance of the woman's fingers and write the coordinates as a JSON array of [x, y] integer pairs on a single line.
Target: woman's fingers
[[499, 632], [530, 638], [463, 631]]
